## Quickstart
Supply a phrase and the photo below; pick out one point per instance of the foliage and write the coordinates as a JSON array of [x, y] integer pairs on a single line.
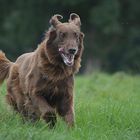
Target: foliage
[[112, 29]]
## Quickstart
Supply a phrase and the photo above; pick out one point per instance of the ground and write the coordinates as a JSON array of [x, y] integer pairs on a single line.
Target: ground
[[107, 108]]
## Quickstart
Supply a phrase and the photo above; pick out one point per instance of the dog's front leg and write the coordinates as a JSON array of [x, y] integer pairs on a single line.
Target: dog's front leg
[[69, 117], [66, 110], [46, 111]]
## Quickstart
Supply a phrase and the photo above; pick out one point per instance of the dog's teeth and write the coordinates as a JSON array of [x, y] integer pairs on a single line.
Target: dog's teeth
[[68, 59]]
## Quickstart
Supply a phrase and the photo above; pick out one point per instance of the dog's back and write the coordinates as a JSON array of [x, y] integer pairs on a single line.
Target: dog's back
[[25, 62], [5, 65]]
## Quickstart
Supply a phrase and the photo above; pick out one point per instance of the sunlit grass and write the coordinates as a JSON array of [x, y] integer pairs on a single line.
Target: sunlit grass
[[107, 108]]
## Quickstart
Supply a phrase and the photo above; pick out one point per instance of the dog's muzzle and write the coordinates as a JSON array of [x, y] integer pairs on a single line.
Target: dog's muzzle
[[68, 58]]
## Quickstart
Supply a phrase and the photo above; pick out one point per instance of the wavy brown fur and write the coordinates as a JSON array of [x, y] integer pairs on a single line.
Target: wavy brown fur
[[4, 67], [39, 83]]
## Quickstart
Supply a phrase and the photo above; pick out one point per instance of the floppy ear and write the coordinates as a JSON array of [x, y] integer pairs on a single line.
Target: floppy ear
[[81, 37], [74, 18], [51, 36], [81, 46]]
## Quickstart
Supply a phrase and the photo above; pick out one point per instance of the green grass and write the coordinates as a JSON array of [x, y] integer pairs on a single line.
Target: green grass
[[107, 108]]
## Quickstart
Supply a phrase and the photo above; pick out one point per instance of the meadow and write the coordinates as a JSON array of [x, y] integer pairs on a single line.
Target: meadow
[[107, 107]]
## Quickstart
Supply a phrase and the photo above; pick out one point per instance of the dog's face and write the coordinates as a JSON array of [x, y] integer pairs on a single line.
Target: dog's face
[[66, 37], [68, 42]]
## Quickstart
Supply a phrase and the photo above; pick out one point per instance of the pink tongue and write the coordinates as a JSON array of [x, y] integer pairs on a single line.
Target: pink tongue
[[61, 50]]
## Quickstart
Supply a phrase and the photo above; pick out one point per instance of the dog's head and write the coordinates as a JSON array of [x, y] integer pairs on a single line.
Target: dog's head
[[66, 39]]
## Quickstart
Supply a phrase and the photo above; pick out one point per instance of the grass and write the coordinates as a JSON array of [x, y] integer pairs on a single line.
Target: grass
[[107, 108]]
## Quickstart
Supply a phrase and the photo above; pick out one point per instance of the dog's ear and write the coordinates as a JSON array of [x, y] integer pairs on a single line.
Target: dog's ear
[[74, 18], [54, 21], [81, 46], [51, 37], [81, 37]]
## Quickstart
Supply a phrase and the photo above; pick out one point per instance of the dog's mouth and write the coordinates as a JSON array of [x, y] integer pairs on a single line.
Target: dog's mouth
[[67, 58]]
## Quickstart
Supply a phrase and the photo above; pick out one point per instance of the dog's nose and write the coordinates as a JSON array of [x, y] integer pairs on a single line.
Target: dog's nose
[[72, 51]]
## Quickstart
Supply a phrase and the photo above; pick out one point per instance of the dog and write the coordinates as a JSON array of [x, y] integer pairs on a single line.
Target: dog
[[40, 84]]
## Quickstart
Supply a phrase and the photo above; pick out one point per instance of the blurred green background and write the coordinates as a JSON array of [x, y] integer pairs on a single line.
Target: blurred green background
[[111, 27]]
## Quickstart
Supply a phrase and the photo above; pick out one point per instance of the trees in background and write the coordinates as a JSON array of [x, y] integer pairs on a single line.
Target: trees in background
[[111, 27]]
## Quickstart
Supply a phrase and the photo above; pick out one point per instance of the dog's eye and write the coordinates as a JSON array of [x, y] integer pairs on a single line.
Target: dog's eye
[[62, 35], [76, 35]]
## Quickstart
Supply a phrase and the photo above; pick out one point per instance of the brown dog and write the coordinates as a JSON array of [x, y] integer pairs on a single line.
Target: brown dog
[[40, 83]]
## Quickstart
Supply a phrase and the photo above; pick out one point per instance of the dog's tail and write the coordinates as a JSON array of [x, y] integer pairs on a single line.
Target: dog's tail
[[5, 65]]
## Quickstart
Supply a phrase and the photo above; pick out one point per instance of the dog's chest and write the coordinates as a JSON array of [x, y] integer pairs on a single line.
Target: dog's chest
[[51, 98], [53, 92]]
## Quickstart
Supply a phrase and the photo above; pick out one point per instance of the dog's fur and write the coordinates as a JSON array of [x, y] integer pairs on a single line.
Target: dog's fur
[[40, 84]]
